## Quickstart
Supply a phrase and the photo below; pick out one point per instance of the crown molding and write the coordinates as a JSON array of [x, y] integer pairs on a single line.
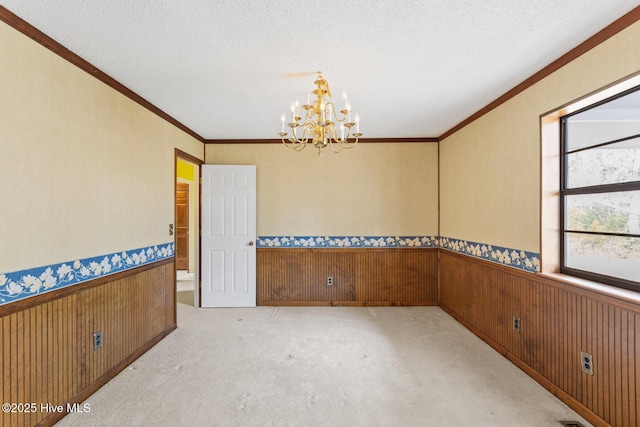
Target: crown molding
[[361, 141], [38, 36], [603, 35], [30, 31]]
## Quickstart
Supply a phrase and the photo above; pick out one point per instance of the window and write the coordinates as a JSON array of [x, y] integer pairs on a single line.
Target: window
[[600, 191]]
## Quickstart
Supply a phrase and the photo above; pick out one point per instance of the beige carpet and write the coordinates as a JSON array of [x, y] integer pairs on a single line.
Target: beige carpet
[[321, 366]]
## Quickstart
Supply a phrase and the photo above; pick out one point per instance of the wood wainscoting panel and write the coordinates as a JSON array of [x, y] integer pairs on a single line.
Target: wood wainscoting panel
[[47, 345], [361, 276], [558, 321]]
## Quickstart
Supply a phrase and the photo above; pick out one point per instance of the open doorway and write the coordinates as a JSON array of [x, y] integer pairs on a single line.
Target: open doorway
[[187, 226]]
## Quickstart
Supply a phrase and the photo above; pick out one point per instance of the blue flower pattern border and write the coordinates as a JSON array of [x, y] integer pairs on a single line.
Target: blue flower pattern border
[[26, 283], [348, 242], [523, 260]]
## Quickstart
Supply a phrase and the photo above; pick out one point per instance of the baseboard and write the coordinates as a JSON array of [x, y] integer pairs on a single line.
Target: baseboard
[[582, 410], [104, 379], [346, 303]]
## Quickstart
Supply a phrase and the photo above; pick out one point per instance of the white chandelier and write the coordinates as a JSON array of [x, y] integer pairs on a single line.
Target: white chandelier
[[320, 122]]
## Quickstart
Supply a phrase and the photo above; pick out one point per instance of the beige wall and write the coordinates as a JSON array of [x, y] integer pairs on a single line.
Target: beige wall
[[84, 171], [372, 189], [490, 170]]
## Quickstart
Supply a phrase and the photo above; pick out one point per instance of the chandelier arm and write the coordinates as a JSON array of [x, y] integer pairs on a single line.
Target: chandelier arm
[[297, 146], [335, 112], [331, 145], [348, 145], [320, 123]]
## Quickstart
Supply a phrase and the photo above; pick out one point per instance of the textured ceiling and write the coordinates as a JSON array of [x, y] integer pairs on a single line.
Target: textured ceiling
[[229, 69]]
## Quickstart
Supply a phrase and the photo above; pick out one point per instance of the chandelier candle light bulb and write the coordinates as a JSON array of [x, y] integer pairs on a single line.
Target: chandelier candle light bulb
[[319, 122]]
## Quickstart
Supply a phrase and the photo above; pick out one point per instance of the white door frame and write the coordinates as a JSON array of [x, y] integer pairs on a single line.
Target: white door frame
[[197, 164]]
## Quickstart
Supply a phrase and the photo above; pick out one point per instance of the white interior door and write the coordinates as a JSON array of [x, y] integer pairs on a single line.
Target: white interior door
[[228, 236]]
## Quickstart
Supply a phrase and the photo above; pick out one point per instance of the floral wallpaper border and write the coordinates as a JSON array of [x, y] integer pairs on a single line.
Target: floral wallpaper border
[[27, 283], [523, 260], [347, 241]]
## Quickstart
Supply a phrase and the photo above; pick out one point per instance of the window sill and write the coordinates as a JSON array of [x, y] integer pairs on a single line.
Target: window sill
[[600, 288]]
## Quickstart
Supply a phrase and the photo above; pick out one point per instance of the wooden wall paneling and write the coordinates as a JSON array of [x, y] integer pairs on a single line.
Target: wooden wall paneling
[[635, 373], [28, 362], [89, 326], [46, 343], [528, 307], [600, 350], [11, 391], [361, 276], [575, 378], [399, 277], [343, 269], [627, 363], [114, 330], [558, 322], [137, 320], [98, 307], [143, 291], [101, 306], [612, 366], [143, 298], [74, 345], [301, 275], [170, 297], [37, 359], [63, 392], [6, 366], [48, 356], [83, 344], [448, 283], [152, 294], [55, 354], [19, 368], [626, 379], [560, 315], [24, 362], [135, 302], [610, 386], [590, 345]]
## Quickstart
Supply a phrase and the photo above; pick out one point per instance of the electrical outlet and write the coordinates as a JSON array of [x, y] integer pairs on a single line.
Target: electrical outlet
[[586, 362], [97, 340], [516, 324], [329, 280]]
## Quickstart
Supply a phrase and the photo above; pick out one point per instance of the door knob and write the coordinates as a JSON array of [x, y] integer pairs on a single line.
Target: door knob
[[251, 243]]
